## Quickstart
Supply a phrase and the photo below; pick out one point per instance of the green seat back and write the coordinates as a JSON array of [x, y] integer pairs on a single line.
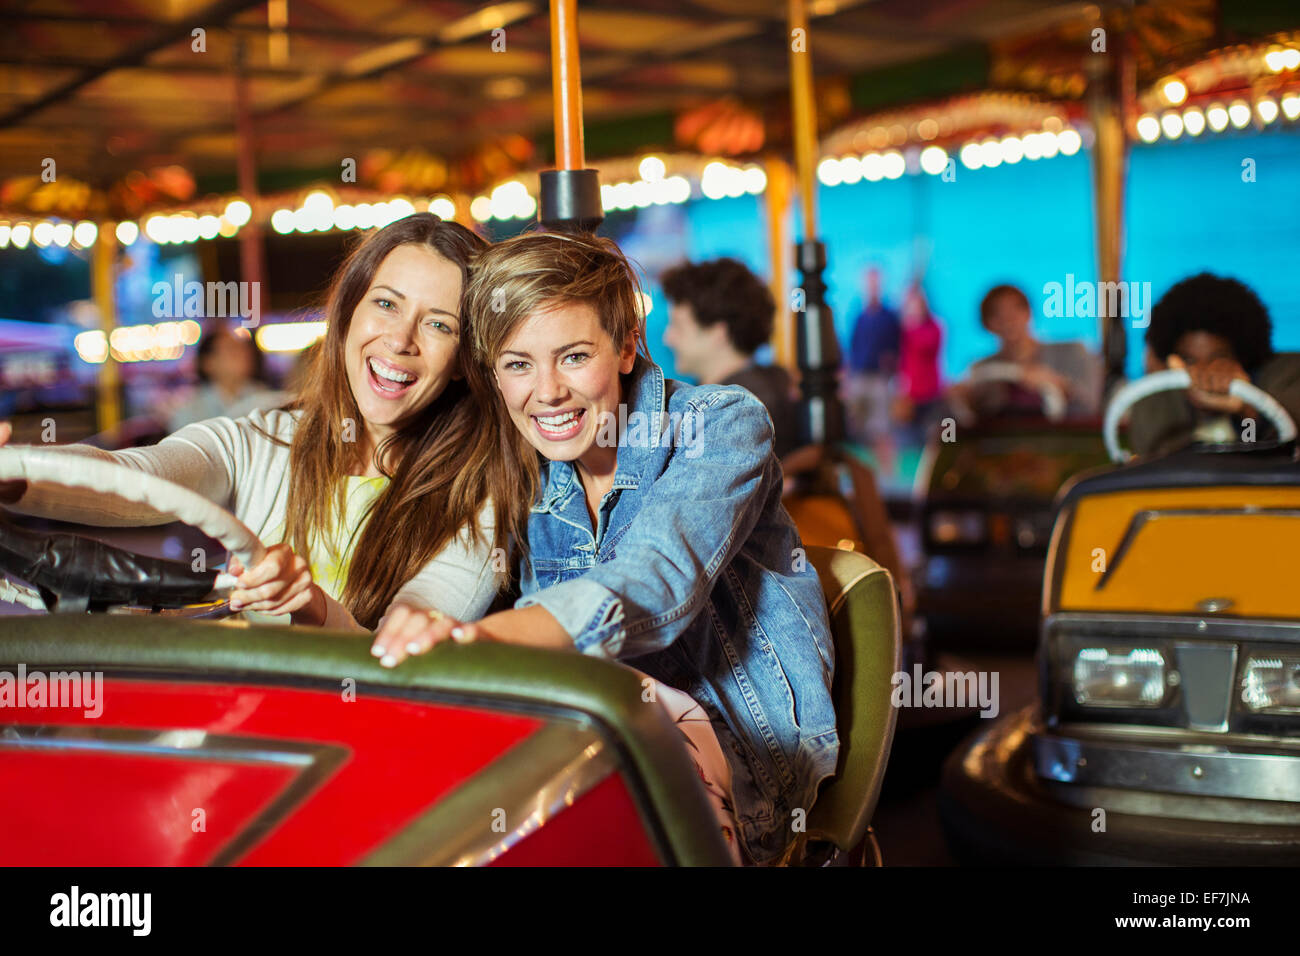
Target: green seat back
[[864, 623]]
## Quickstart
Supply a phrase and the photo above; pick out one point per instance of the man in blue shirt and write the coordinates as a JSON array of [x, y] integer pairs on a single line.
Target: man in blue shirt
[[872, 362]]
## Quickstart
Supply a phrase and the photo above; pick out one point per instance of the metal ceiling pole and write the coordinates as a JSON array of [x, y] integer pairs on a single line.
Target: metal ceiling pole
[[777, 194], [569, 195], [103, 274], [817, 348], [803, 107], [252, 254], [1109, 89], [566, 85]]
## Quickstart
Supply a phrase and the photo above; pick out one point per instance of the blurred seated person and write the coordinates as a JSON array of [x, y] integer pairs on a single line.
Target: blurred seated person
[[1218, 330], [1069, 366], [719, 314], [229, 366]]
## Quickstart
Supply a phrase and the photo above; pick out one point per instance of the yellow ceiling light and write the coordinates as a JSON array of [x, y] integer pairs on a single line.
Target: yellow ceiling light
[[1173, 90]]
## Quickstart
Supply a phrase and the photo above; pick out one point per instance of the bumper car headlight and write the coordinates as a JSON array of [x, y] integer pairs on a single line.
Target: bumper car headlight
[[1107, 677], [1271, 685], [957, 527]]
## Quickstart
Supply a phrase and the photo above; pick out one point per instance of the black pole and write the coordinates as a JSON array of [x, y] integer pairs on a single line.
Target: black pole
[[817, 351], [569, 200]]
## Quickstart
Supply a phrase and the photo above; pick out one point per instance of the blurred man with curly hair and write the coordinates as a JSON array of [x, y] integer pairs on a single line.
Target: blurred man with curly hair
[[720, 314]]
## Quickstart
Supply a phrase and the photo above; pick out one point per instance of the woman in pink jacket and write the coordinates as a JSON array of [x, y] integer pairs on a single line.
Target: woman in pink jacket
[[920, 390]]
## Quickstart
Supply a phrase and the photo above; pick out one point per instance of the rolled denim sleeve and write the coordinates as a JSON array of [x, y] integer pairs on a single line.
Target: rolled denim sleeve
[[694, 519], [571, 604]]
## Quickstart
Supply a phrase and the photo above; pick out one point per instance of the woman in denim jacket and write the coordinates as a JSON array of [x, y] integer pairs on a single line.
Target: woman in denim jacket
[[656, 535]]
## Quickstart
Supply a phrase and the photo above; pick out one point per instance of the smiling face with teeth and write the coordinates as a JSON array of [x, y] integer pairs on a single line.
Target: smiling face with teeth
[[559, 376], [402, 345]]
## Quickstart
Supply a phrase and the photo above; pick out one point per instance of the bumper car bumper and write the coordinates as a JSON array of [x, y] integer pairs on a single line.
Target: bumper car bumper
[[996, 809]]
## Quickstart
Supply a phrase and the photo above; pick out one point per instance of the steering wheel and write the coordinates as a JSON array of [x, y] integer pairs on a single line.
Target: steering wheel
[[35, 464], [1178, 378], [1054, 403]]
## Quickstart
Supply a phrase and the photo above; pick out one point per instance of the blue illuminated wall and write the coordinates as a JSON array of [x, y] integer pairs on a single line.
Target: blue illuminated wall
[[1189, 211], [1032, 223]]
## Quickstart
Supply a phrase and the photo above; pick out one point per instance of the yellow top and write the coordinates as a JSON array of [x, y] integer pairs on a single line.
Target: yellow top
[[331, 559]]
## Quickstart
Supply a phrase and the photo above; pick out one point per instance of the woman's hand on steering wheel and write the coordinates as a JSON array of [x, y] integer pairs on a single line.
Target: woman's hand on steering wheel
[[280, 583], [407, 630], [10, 491]]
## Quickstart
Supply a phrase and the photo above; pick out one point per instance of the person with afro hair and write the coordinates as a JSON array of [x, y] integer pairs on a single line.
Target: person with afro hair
[[1218, 330]]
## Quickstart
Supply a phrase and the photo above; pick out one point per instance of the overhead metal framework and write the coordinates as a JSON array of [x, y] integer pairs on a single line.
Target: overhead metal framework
[[108, 93]]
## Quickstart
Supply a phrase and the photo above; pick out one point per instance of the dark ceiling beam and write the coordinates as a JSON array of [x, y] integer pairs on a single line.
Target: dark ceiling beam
[[212, 16], [197, 66], [701, 12], [420, 48], [146, 23], [210, 67]]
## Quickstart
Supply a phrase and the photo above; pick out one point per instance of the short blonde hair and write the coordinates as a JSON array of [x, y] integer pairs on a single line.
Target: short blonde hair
[[525, 274]]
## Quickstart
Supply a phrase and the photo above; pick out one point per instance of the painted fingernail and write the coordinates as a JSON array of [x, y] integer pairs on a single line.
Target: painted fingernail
[[388, 660], [413, 648], [377, 650], [460, 635]]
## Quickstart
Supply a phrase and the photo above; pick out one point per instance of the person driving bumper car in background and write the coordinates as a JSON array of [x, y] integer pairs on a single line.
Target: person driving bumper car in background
[[1067, 367], [1219, 331]]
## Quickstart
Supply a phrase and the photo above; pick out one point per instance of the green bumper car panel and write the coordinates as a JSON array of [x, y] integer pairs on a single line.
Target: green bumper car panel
[[864, 617]]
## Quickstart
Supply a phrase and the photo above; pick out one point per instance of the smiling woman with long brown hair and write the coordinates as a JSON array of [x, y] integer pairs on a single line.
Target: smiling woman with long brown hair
[[384, 482], [408, 415]]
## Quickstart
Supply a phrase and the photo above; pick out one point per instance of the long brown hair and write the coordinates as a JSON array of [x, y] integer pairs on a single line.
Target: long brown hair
[[443, 465]]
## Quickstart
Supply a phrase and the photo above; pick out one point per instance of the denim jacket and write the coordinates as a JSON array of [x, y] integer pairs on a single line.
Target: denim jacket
[[695, 575]]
